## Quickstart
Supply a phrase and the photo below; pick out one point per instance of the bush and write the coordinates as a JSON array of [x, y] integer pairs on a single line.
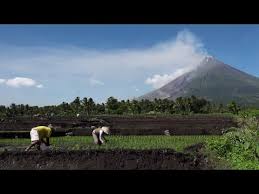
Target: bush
[[239, 146], [233, 107], [249, 113]]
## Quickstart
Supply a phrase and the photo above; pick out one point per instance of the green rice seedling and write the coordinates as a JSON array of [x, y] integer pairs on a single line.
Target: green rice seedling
[[177, 143]]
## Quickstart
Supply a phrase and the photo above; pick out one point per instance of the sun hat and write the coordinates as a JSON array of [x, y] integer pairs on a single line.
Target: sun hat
[[106, 129]]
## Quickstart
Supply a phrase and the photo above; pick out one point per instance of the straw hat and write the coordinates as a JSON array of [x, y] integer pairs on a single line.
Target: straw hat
[[106, 130]]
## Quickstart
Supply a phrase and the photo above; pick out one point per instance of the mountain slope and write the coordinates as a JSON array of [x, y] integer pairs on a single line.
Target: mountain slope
[[212, 80]]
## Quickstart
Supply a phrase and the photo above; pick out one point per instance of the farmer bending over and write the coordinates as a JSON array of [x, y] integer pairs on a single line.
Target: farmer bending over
[[98, 134], [38, 134]]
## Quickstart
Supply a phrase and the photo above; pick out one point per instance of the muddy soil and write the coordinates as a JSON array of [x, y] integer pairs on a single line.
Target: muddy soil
[[126, 126], [103, 160], [174, 125]]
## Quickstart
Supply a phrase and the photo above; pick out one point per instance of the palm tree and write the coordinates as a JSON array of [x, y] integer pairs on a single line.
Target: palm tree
[[85, 105], [112, 105], [90, 107]]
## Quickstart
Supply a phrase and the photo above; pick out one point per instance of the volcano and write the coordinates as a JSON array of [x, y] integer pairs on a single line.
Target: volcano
[[214, 81]]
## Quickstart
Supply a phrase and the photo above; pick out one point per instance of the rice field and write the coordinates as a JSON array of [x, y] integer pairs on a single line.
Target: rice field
[[177, 143]]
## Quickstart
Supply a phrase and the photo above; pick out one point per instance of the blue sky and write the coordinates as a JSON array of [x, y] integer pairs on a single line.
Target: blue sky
[[49, 64]]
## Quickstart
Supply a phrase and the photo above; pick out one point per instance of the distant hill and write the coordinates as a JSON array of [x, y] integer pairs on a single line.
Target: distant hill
[[213, 80]]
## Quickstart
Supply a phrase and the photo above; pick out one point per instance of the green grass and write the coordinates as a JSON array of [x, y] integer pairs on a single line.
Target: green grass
[[177, 143], [250, 112]]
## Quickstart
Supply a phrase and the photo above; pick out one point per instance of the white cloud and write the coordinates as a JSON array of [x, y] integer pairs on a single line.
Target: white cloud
[[18, 82], [188, 51], [2, 81], [39, 86], [163, 60], [157, 81], [135, 88], [95, 82]]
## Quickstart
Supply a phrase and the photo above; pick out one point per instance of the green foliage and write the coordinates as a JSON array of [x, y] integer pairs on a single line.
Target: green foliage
[[239, 146], [249, 113], [233, 107], [112, 105], [86, 107]]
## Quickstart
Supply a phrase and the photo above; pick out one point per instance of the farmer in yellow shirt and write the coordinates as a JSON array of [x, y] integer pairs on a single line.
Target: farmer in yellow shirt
[[38, 134]]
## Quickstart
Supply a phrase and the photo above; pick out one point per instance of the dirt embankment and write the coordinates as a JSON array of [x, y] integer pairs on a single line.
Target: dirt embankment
[[104, 160], [175, 125], [127, 125]]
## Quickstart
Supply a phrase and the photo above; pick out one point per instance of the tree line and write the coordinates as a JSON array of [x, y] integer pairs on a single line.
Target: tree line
[[87, 107]]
